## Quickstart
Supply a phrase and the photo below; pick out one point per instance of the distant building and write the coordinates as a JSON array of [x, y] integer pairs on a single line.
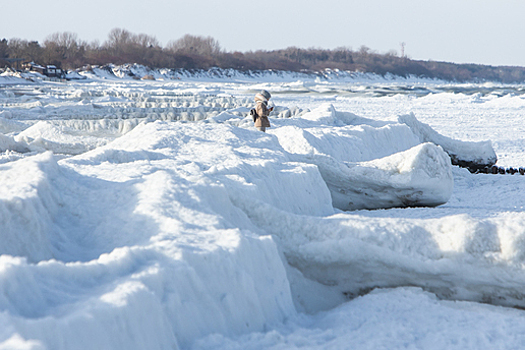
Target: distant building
[[49, 70], [52, 71]]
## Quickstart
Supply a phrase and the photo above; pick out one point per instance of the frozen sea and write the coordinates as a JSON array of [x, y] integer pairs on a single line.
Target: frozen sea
[[150, 214]]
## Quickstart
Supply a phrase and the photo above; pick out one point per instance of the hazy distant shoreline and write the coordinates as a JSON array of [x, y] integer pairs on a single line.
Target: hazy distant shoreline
[[67, 51]]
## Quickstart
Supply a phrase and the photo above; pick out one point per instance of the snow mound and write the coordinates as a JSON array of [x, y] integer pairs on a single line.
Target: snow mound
[[74, 75], [10, 77], [471, 154], [369, 164], [163, 234], [157, 236], [28, 202], [456, 257], [327, 114], [8, 143], [8, 125], [391, 319], [420, 176], [344, 136], [70, 137]]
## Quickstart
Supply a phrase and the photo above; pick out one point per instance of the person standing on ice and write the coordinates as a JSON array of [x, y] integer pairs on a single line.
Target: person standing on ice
[[262, 111]]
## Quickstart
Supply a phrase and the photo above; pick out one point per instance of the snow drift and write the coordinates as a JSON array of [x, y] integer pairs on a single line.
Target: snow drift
[[132, 234], [409, 174], [421, 176], [474, 155], [202, 193]]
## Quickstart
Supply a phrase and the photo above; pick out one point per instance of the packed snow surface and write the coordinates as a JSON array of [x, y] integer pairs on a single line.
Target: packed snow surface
[[151, 214]]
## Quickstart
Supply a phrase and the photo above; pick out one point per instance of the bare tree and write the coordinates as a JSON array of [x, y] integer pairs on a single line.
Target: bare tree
[[145, 41], [64, 49], [123, 46], [4, 53], [195, 45], [33, 51], [17, 47], [27, 50], [66, 39], [343, 55], [364, 50], [118, 40]]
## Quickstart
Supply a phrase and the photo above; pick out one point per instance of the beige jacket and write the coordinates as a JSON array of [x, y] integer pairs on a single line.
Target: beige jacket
[[263, 112]]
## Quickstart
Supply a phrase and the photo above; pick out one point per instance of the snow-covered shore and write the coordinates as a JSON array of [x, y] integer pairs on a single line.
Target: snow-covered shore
[[140, 72], [151, 214]]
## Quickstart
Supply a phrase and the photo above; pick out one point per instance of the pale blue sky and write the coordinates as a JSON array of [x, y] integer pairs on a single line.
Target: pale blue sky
[[462, 31]]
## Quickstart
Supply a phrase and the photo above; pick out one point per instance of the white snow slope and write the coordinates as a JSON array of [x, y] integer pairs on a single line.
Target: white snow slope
[[152, 215]]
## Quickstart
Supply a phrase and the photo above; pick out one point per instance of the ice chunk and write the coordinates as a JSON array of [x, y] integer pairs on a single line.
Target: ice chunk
[[421, 176], [467, 154]]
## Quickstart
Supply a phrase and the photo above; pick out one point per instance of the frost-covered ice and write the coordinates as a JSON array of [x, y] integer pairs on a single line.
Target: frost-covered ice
[[152, 215], [480, 153]]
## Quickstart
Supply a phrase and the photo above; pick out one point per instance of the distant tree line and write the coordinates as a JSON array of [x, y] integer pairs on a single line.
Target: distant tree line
[[65, 50]]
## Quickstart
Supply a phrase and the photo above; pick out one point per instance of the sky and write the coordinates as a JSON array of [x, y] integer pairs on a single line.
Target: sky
[[464, 31]]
